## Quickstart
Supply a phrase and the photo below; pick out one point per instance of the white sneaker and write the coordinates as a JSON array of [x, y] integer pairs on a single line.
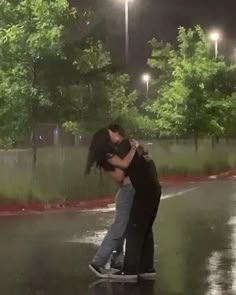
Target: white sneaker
[[121, 276], [149, 275], [99, 271]]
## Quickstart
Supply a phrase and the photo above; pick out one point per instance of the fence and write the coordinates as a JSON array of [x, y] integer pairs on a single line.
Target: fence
[[59, 170]]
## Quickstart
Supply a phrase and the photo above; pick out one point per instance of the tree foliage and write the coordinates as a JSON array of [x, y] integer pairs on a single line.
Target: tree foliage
[[197, 89], [48, 76]]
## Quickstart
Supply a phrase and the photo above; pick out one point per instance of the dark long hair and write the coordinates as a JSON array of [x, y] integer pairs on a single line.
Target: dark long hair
[[100, 146], [117, 128]]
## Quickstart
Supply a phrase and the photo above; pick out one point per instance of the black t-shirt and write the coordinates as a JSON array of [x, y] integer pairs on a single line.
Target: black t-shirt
[[143, 175], [142, 170]]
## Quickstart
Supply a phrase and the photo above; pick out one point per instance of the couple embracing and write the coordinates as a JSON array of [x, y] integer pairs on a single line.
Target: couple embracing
[[137, 203]]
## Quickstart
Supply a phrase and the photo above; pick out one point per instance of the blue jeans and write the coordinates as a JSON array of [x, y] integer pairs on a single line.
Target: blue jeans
[[115, 235]]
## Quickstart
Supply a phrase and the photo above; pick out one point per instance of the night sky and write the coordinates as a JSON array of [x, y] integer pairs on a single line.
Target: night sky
[[160, 19]]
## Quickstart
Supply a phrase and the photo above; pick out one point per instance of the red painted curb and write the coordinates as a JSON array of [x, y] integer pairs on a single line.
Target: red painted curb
[[23, 209], [77, 205], [175, 180]]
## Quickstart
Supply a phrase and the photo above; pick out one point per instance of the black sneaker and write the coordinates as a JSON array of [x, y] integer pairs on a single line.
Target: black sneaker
[[122, 276], [99, 271], [148, 275]]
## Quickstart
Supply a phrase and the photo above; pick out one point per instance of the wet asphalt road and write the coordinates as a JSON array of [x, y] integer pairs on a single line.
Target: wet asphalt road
[[195, 248]]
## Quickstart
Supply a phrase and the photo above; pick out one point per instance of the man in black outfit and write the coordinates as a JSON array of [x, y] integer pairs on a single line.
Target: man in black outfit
[[139, 256]]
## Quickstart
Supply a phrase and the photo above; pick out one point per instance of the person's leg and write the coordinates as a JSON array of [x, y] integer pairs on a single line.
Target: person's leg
[[141, 218], [114, 237], [135, 234], [147, 256], [117, 258], [146, 266]]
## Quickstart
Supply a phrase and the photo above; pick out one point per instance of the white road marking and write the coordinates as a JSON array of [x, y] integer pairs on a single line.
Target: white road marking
[[179, 193], [90, 238], [97, 237], [213, 177], [100, 210], [111, 208]]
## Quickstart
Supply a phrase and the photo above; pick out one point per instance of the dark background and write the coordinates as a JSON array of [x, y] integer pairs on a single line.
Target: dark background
[[160, 19]]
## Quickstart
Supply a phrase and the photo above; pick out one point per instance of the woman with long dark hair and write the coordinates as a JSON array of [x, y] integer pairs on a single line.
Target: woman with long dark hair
[[113, 242], [139, 237]]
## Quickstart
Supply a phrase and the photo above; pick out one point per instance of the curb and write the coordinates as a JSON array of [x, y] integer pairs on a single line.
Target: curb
[[37, 208], [25, 209], [177, 180]]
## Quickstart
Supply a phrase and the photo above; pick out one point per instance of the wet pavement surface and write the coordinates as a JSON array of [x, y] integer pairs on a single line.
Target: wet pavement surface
[[195, 248]]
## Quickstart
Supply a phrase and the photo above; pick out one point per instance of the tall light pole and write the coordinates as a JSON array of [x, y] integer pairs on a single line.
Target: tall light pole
[[234, 56], [126, 4], [146, 79], [215, 36], [127, 29]]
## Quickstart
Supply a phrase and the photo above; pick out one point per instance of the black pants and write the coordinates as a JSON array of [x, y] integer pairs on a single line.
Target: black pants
[[139, 256]]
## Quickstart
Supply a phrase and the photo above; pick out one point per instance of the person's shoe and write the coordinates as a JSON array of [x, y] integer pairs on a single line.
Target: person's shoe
[[99, 271], [148, 275], [115, 270], [122, 276], [116, 267]]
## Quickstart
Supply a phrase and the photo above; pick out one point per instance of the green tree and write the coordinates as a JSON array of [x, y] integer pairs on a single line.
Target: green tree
[[30, 31], [197, 89], [160, 63], [47, 76], [106, 98], [165, 106]]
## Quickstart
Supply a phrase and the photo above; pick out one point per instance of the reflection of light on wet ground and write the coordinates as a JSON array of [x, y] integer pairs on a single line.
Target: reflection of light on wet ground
[[216, 269], [232, 222], [90, 238], [215, 274], [104, 287], [95, 238]]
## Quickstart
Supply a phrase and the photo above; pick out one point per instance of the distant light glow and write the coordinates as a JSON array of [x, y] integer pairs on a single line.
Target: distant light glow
[[215, 36], [126, 1], [146, 78]]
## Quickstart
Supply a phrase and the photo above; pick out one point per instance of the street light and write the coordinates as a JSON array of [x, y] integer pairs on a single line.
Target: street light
[[146, 79], [215, 36], [234, 56], [126, 2]]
